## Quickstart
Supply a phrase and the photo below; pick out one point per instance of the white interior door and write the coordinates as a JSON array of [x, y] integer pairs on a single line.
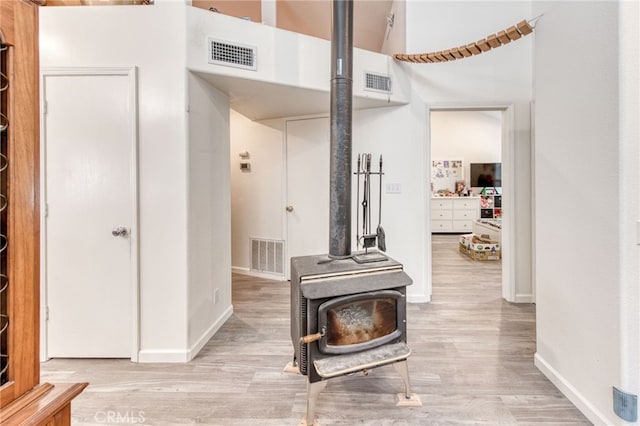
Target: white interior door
[[89, 258], [308, 148]]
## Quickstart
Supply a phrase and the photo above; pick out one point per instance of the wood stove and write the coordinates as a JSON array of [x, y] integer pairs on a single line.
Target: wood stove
[[347, 317]]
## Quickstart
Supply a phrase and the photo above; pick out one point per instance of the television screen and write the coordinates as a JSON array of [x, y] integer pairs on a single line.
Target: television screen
[[485, 174]]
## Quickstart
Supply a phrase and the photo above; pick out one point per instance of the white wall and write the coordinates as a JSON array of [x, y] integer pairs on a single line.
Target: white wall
[[629, 103], [473, 136], [283, 57], [257, 197], [587, 201], [209, 213], [152, 39], [184, 239]]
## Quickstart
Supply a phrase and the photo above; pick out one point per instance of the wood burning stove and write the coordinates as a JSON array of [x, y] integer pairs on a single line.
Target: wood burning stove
[[347, 317]]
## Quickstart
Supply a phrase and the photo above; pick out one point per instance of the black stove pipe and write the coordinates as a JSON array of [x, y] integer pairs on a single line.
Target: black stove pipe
[[341, 118]]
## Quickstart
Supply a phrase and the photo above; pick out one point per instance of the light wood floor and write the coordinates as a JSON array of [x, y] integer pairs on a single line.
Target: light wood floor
[[472, 363]]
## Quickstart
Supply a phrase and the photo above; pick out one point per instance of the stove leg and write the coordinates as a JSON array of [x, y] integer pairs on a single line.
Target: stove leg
[[407, 399], [313, 390]]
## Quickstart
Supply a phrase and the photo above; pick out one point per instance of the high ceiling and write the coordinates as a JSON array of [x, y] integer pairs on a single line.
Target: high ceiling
[[313, 17]]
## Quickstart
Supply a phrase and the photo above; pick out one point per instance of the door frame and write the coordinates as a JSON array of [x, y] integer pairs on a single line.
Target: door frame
[[131, 74], [508, 192]]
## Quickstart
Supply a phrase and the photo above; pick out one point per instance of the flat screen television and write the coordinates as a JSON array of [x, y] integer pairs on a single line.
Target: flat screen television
[[485, 175]]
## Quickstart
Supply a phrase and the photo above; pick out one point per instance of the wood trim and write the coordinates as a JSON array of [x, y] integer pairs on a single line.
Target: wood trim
[[49, 404], [26, 399], [24, 203], [19, 26]]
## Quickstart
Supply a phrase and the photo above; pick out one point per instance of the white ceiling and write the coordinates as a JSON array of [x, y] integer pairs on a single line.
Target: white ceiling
[[258, 100]]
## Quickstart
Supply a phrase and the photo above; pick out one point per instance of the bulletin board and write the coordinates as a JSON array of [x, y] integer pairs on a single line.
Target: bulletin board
[[445, 173]]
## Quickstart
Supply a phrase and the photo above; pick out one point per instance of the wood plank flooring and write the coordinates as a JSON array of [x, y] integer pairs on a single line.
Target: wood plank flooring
[[472, 363]]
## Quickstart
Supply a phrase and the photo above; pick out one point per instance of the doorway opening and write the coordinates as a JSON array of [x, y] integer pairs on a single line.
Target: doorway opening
[[468, 144]]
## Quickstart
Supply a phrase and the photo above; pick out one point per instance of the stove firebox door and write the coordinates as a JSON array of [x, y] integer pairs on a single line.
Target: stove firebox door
[[361, 321]]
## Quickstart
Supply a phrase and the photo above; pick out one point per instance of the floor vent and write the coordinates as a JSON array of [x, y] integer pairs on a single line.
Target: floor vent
[[267, 256], [233, 55], [377, 82]]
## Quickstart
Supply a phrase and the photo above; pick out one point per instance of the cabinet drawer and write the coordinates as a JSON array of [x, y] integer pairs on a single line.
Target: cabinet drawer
[[465, 204], [462, 225], [437, 204], [441, 225], [465, 214], [441, 214]]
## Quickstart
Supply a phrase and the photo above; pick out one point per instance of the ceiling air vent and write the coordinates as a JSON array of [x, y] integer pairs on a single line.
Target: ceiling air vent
[[377, 82], [232, 55]]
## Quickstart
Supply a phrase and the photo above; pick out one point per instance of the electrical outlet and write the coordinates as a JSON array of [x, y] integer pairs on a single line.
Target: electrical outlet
[[215, 295]]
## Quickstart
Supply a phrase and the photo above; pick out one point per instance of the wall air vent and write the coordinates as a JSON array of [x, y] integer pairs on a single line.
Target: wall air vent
[[232, 55], [267, 256], [377, 82]]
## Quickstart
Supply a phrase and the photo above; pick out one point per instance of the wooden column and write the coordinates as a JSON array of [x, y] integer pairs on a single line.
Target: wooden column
[[23, 400]]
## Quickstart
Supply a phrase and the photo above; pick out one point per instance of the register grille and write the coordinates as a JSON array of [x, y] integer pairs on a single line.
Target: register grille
[[233, 55]]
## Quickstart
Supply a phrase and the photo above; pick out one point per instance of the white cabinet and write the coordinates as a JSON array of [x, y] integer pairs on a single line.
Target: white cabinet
[[454, 214]]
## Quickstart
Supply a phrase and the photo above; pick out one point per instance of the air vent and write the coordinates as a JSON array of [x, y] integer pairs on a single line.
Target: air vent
[[377, 82], [267, 256], [232, 55]]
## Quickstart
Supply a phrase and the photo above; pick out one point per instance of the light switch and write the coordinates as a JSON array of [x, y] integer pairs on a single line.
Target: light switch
[[394, 188]]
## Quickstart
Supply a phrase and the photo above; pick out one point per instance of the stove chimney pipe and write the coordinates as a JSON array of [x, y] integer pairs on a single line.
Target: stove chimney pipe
[[340, 118]]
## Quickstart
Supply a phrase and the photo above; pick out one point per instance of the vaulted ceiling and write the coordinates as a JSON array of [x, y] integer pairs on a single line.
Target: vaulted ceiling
[[313, 17]]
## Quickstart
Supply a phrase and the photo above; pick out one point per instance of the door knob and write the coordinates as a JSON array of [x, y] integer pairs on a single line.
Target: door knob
[[289, 209], [120, 231]]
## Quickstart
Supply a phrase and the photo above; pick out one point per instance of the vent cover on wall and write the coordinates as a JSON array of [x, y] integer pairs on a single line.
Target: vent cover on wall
[[232, 55], [267, 256], [377, 82]]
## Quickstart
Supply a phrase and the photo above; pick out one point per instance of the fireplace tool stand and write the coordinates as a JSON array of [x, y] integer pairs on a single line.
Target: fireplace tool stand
[[368, 239]]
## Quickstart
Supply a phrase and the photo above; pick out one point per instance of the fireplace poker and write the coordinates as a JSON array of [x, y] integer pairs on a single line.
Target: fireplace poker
[[382, 245], [365, 200], [368, 177], [357, 199]]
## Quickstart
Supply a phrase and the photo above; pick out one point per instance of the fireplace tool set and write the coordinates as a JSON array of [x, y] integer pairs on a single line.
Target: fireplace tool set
[[368, 239], [348, 315]]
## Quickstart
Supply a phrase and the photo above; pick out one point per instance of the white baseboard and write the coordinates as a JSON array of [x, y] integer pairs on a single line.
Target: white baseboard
[[524, 298], [162, 355], [418, 298], [184, 355], [589, 411], [207, 335], [249, 272]]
